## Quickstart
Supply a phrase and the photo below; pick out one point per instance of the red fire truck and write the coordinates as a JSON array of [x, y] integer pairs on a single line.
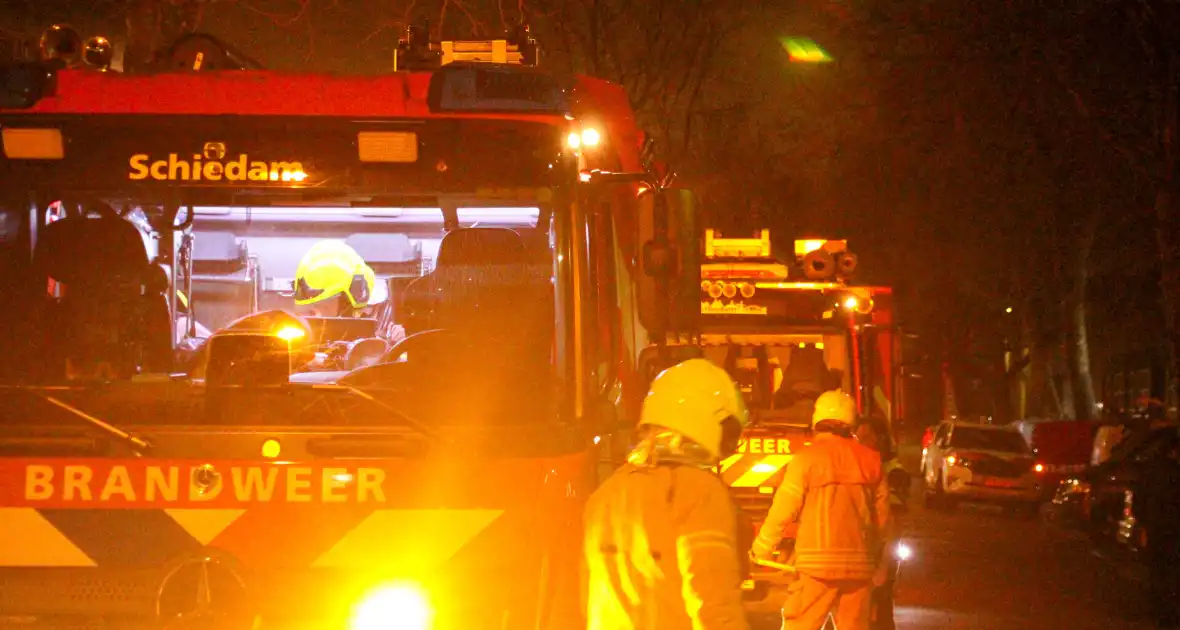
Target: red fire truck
[[789, 331], [300, 470]]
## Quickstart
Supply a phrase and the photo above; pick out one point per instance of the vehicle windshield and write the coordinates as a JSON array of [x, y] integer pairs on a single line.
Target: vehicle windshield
[[781, 382], [440, 325], [989, 440]]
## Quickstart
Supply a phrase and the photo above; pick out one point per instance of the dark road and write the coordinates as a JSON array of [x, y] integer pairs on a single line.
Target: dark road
[[976, 567], [979, 568]]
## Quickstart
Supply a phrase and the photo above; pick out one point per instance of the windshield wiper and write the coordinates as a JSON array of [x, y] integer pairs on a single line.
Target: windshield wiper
[[417, 425], [138, 445]]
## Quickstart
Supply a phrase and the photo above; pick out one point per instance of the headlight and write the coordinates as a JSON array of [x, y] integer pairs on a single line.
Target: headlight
[[903, 552], [394, 607]]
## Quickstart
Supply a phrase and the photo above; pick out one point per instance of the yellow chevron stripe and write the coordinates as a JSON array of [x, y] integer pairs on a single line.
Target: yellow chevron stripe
[[412, 541], [31, 541], [760, 472], [204, 525], [730, 461]]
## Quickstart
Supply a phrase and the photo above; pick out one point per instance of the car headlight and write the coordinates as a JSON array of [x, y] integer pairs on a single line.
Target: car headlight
[[393, 607]]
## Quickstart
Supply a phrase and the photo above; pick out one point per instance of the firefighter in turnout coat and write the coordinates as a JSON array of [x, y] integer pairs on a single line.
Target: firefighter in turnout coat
[[835, 492], [660, 547]]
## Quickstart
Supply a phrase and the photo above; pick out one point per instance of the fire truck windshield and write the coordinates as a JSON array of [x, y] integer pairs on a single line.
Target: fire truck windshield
[[442, 322], [783, 374]]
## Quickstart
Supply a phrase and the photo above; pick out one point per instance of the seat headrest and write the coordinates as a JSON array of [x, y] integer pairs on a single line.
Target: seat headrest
[[216, 247], [383, 248], [479, 247], [81, 249]]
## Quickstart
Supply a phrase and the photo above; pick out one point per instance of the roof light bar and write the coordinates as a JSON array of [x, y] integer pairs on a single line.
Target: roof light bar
[[717, 247], [804, 247]]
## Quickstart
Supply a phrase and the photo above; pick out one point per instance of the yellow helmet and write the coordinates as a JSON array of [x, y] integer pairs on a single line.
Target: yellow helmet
[[836, 406], [695, 398], [332, 268]]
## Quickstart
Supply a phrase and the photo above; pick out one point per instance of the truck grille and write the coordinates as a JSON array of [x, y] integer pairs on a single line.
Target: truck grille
[[78, 591]]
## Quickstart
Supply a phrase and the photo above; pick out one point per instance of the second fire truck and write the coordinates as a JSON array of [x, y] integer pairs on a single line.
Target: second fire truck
[[789, 328]]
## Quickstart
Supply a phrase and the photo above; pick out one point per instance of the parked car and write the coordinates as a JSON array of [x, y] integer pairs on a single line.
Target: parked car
[[1100, 499], [1065, 447], [981, 463]]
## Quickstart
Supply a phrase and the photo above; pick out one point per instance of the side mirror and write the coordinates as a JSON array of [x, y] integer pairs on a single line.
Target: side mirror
[[248, 360], [670, 268]]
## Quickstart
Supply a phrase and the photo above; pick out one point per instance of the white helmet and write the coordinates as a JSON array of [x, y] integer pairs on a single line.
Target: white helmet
[[694, 399], [835, 406]]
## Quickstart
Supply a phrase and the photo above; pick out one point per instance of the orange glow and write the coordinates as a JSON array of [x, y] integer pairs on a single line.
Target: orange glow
[[744, 271], [591, 137], [802, 286], [951, 459], [395, 606], [806, 246], [290, 333], [1039, 468], [271, 449]]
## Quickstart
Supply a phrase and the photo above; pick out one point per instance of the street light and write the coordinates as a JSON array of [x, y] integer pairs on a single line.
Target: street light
[[805, 50]]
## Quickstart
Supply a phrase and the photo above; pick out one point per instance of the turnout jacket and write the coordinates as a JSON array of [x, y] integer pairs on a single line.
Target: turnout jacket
[[661, 552], [835, 491]]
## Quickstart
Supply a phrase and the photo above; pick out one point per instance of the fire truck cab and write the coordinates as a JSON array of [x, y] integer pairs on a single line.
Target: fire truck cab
[[153, 475], [789, 328]]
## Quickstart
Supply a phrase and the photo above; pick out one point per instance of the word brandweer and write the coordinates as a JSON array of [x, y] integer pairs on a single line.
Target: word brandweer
[[211, 167], [189, 484]]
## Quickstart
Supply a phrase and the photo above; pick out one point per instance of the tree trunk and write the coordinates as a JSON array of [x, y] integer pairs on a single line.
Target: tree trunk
[[1042, 395], [1167, 223], [1078, 340], [1084, 400], [1063, 386], [144, 20]]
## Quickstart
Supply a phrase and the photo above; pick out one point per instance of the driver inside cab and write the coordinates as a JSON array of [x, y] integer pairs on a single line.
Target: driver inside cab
[[332, 280]]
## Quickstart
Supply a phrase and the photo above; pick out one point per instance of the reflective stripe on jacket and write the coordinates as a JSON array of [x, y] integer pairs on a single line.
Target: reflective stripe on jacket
[[660, 552], [834, 489]]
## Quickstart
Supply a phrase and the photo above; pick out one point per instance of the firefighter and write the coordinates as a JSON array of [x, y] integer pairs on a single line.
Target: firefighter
[[834, 490], [660, 547], [874, 433], [331, 274]]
